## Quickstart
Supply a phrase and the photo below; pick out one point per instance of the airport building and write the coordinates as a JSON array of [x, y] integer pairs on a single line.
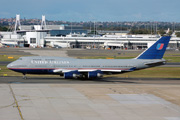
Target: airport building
[[33, 35], [76, 37], [118, 42]]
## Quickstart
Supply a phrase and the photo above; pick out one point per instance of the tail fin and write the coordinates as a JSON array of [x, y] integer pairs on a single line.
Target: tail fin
[[157, 50]]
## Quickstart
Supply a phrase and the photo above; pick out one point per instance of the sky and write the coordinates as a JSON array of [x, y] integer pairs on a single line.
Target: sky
[[93, 10]]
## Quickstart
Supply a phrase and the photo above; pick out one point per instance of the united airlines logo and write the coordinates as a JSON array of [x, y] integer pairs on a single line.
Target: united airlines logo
[[160, 46]]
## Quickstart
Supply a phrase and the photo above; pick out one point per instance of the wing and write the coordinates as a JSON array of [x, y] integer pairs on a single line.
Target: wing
[[90, 72], [82, 70]]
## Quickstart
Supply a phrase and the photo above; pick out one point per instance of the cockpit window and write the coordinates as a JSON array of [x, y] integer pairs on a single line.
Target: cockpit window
[[20, 59]]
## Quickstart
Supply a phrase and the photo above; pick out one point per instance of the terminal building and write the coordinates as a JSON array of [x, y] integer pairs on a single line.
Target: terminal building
[[118, 42], [76, 37]]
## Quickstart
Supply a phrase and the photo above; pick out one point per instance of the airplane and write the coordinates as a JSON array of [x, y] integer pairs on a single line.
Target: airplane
[[91, 68]]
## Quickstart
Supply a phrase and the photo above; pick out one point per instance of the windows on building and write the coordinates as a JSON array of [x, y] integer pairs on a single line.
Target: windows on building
[[32, 40]]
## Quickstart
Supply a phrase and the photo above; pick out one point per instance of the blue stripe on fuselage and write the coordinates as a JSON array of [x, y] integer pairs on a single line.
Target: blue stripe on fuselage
[[33, 71]]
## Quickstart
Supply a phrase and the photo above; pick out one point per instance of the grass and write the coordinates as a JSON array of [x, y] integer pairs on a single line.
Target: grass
[[169, 59], [5, 71], [5, 57], [172, 59], [155, 72], [169, 56]]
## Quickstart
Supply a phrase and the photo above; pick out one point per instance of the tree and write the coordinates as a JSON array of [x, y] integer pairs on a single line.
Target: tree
[[139, 31], [161, 32], [3, 28], [178, 34]]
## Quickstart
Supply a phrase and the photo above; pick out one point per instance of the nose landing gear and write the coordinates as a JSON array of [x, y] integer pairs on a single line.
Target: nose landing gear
[[24, 77]]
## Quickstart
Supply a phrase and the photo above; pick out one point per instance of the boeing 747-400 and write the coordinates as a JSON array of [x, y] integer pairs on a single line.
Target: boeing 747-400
[[91, 68]]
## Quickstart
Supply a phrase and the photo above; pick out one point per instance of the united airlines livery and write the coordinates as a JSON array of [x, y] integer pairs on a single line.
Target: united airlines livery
[[91, 68]]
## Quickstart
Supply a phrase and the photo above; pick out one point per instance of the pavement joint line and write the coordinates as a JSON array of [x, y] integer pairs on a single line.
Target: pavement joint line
[[16, 102], [155, 91]]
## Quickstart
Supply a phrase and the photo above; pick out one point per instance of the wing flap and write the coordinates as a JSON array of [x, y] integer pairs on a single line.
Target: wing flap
[[111, 70], [61, 70], [57, 70], [90, 70]]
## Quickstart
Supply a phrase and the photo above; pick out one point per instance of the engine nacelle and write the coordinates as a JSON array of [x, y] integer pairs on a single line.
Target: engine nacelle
[[95, 74], [72, 74]]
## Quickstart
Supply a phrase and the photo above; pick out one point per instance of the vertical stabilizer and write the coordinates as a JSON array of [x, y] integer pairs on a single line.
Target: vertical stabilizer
[[157, 50]]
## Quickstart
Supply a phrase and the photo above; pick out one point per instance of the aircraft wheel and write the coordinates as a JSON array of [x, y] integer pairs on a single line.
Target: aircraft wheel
[[24, 77]]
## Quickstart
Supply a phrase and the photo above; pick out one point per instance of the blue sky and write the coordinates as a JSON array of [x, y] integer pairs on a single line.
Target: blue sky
[[93, 10]]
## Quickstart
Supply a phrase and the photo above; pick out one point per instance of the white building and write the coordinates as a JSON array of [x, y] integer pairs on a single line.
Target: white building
[[35, 39], [124, 42], [12, 39]]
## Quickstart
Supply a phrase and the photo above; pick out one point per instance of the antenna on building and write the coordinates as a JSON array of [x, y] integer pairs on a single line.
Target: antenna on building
[[43, 23], [17, 24]]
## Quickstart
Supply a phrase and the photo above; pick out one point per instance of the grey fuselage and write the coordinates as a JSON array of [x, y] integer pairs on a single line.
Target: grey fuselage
[[48, 65]]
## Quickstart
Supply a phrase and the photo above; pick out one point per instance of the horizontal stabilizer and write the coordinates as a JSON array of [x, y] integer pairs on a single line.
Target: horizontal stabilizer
[[155, 63]]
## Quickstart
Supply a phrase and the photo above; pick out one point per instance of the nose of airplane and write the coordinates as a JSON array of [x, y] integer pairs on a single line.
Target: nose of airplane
[[9, 65]]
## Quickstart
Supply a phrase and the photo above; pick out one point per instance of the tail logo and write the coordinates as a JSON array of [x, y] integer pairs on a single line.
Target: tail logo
[[160, 46]]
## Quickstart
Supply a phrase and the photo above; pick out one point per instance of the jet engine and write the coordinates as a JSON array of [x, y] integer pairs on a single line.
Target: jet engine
[[72, 74], [95, 74]]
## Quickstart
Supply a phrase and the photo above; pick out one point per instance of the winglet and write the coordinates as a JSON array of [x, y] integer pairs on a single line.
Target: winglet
[[157, 50]]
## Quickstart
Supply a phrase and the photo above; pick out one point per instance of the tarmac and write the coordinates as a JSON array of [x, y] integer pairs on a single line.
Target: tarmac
[[20, 101]]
